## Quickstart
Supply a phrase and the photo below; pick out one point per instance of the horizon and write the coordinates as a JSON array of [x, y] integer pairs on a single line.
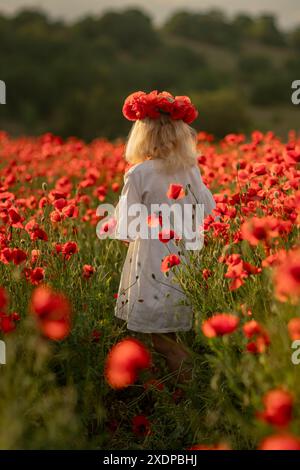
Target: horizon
[[158, 10]]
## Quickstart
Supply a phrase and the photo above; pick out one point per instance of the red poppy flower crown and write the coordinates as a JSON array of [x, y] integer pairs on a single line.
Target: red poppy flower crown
[[140, 105]]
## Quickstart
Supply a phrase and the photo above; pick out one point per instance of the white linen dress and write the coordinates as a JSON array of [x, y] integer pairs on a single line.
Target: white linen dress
[[148, 300]]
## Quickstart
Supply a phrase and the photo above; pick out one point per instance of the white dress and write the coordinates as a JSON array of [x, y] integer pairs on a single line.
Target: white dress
[[148, 300]]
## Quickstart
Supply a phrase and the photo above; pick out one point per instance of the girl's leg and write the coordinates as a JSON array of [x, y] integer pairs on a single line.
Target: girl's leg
[[177, 357], [175, 354]]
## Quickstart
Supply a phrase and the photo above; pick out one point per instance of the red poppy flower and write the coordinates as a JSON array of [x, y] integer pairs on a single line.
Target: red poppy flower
[[154, 220], [140, 105], [280, 442], [56, 217], [39, 234], [133, 108], [206, 273], [252, 328], [294, 328], [59, 204], [101, 192], [183, 109], [238, 270], [256, 230], [166, 235], [250, 268], [124, 362], [140, 426], [18, 256], [52, 311], [70, 211], [96, 335], [220, 324], [68, 249], [169, 262], [115, 187], [7, 323], [175, 191], [287, 277], [165, 102], [37, 275], [260, 338], [87, 271], [3, 298], [6, 255], [259, 345], [108, 227], [278, 407], [15, 218], [54, 195], [259, 169]]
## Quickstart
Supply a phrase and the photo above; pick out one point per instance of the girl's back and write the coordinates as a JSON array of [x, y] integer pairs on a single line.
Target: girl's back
[[148, 183], [162, 149]]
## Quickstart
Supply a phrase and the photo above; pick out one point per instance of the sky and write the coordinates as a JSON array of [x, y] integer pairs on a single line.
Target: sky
[[287, 11]]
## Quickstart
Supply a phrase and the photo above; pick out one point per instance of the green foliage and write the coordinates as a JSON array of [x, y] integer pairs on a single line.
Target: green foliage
[[265, 30], [271, 88], [215, 28], [295, 39], [72, 78], [252, 66], [235, 378], [53, 395], [212, 27], [222, 112], [35, 412], [126, 27]]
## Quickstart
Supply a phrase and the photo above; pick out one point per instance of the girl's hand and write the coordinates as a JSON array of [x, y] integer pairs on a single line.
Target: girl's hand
[[125, 242]]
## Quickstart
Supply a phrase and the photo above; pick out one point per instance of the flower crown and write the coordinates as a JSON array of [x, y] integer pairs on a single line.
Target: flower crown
[[140, 105]]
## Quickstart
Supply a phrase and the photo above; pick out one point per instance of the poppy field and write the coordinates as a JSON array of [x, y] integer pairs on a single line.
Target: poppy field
[[74, 377]]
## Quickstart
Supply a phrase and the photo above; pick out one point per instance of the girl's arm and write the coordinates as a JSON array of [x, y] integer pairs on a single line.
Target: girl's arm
[[129, 196]]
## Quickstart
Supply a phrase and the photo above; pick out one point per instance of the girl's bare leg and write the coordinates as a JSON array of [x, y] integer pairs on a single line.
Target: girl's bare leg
[[175, 354]]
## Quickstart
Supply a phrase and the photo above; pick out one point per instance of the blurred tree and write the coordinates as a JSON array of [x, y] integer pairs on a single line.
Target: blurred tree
[[131, 30], [251, 65], [30, 17], [264, 29], [222, 112], [295, 38], [87, 28], [243, 24], [183, 24], [292, 66], [72, 78], [171, 68], [211, 27], [271, 88]]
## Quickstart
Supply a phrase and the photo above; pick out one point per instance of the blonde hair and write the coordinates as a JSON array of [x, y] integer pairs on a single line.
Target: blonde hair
[[173, 142]]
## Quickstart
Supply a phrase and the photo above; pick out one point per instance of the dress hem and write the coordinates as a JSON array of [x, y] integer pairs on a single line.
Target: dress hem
[[163, 330], [174, 330]]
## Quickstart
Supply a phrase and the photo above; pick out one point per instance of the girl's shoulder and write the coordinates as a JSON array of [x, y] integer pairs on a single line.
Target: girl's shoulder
[[140, 167], [157, 167]]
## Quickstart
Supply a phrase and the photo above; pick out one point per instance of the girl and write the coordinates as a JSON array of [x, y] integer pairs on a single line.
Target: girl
[[162, 149]]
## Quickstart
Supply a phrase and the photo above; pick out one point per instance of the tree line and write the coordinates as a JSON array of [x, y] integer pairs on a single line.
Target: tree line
[[72, 79]]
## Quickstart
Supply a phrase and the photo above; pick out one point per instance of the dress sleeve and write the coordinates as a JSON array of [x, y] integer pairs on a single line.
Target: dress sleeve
[[124, 212]]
